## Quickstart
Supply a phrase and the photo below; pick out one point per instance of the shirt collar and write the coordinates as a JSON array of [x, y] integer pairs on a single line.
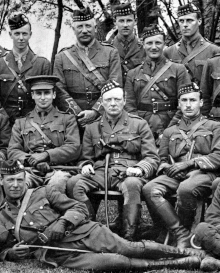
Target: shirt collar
[[129, 39], [22, 56], [193, 42], [47, 111], [85, 47]]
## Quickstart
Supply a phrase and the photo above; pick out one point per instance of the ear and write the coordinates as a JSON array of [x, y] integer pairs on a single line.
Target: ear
[[32, 94], [54, 94], [200, 21], [201, 102]]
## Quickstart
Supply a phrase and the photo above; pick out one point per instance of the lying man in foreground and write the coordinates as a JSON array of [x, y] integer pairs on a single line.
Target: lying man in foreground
[[45, 217]]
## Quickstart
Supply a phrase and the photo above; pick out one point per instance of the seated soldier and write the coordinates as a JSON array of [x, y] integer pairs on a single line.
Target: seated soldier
[[46, 218], [5, 133], [194, 149], [45, 137], [133, 157]]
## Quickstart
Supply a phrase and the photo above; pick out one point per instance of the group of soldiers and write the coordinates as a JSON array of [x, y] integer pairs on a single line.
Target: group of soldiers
[[140, 115]]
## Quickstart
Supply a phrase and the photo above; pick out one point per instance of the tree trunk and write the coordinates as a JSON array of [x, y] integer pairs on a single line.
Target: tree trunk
[[57, 31]]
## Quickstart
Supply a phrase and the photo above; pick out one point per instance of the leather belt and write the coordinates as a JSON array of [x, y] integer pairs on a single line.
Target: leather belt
[[21, 104], [116, 155], [86, 96], [157, 106]]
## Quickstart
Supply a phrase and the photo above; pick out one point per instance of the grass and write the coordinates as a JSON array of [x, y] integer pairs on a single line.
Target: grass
[[33, 266]]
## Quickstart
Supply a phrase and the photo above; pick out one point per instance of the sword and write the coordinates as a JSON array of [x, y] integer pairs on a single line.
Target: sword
[[57, 248]]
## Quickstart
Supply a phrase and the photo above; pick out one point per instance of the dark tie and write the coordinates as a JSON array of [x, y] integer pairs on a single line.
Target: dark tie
[[126, 46]]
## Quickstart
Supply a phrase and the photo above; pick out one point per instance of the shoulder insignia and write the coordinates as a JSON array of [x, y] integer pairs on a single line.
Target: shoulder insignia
[[3, 205], [106, 44], [65, 48], [62, 112], [134, 116]]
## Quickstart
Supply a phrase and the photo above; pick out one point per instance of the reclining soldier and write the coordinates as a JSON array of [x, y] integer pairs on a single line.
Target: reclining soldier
[[194, 149], [133, 157], [45, 217], [45, 137]]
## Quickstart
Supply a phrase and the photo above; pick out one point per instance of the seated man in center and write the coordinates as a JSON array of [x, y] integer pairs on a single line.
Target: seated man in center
[[133, 156], [193, 148], [45, 137]]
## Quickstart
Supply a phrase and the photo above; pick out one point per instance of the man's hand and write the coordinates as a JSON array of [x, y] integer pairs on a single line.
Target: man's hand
[[179, 167], [87, 170], [43, 167], [18, 252], [134, 172], [58, 230], [36, 158], [86, 117], [163, 168]]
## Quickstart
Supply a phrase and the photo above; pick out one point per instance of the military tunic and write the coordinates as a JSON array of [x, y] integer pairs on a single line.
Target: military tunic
[[84, 95], [130, 144], [60, 128], [5, 134], [153, 106], [16, 101], [206, 152], [131, 55], [3, 51], [210, 86]]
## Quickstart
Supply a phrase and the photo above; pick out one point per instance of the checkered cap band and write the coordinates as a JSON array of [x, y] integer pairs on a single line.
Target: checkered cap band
[[82, 15], [188, 88], [109, 86], [17, 21], [11, 167], [122, 10], [187, 9], [152, 30]]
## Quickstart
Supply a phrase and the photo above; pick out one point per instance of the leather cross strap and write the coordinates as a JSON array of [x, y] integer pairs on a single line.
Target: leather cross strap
[[84, 73], [37, 127], [90, 66], [195, 53], [185, 136], [154, 79], [21, 212]]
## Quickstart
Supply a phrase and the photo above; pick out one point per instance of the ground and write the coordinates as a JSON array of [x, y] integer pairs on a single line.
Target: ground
[[33, 266]]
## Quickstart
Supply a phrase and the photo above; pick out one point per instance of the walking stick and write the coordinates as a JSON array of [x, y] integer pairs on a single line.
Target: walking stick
[[58, 248], [106, 188]]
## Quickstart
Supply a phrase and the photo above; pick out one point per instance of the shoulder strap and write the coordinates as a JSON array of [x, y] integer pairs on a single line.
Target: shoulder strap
[[21, 212], [86, 75], [186, 138], [195, 53], [90, 66], [37, 127], [155, 78]]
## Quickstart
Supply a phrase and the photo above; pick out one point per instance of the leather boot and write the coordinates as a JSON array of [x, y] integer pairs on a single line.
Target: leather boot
[[192, 262], [186, 216], [116, 225], [90, 208], [170, 218], [209, 263], [131, 216]]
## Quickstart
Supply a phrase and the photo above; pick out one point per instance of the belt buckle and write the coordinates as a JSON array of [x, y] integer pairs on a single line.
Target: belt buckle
[[42, 237], [116, 155], [20, 104], [89, 96], [155, 107]]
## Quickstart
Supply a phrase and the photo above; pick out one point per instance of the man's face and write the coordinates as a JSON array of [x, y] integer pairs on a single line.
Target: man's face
[[190, 104], [125, 25], [21, 37], [43, 98], [14, 185], [154, 46], [85, 31], [113, 102], [189, 24]]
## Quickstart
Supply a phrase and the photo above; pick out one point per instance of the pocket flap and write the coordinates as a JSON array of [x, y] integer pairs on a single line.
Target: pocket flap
[[39, 205]]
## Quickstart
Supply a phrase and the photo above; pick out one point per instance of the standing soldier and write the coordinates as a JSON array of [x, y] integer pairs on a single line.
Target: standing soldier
[[16, 66], [189, 154], [129, 47], [83, 68], [192, 50], [152, 86]]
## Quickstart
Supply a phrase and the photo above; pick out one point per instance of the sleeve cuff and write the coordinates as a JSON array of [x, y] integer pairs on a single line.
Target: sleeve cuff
[[204, 163], [146, 167]]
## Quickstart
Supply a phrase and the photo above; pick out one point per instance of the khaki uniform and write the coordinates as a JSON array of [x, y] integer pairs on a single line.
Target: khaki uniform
[[130, 144], [131, 55], [153, 107], [59, 127], [5, 134], [210, 86], [85, 95], [17, 102], [3, 51]]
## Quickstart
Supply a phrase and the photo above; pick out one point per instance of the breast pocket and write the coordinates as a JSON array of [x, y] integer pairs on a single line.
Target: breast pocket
[[174, 143], [103, 68], [42, 212], [167, 84], [130, 142], [72, 76], [30, 137], [203, 140], [56, 134]]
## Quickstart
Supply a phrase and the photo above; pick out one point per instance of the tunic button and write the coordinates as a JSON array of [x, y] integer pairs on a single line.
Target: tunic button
[[113, 145], [126, 62], [153, 99], [116, 161], [19, 98], [45, 146], [152, 89], [42, 126], [4, 80], [19, 86], [76, 217], [166, 80], [125, 74], [12, 227], [41, 207], [98, 102], [31, 223], [25, 213], [112, 135], [19, 109]]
